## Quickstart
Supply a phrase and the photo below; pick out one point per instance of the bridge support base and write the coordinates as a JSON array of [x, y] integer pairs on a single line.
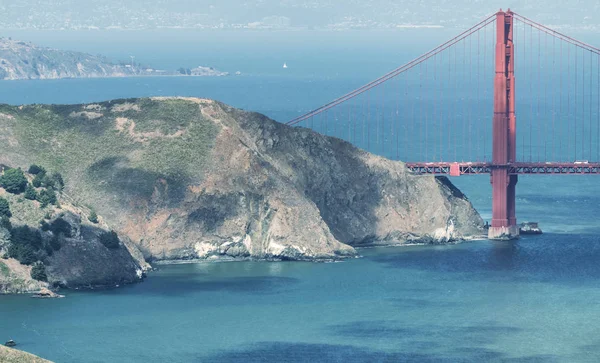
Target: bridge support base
[[503, 233]]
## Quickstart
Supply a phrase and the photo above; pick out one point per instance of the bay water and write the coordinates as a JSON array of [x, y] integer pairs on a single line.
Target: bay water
[[535, 299]]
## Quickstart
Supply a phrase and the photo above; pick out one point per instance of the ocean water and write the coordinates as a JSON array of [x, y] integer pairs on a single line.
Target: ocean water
[[535, 299]]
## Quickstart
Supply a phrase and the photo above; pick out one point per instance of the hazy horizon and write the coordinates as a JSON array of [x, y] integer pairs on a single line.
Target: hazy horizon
[[284, 14]]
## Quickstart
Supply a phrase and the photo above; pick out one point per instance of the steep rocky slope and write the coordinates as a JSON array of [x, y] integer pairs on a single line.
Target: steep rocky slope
[[63, 243], [193, 178]]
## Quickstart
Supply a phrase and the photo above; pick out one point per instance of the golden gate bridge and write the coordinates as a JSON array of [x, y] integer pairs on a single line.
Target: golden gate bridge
[[438, 121]]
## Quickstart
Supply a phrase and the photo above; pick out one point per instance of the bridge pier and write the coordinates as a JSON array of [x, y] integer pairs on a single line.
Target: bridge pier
[[504, 221]]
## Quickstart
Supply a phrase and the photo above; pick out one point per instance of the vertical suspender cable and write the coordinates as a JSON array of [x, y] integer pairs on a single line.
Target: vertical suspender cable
[[435, 102], [560, 114], [539, 93], [405, 115], [426, 115], [412, 117], [546, 98], [463, 117], [553, 98], [396, 119], [450, 107], [590, 128], [582, 104], [478, 122], [576, 89], [368, 119], [568, 102], [420, 122], [383, 116]]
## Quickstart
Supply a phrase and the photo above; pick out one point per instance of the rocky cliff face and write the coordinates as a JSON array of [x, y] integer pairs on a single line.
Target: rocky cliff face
[[67, 245], [193, 178]]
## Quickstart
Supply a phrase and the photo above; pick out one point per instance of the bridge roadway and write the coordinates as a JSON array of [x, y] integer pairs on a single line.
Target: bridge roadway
[[470, 168]]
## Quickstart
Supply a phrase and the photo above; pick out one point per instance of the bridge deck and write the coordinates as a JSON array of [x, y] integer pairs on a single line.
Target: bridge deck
[[469, 168]]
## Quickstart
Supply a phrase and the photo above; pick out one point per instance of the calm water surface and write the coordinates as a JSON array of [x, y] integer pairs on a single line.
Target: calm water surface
[[536, 299]]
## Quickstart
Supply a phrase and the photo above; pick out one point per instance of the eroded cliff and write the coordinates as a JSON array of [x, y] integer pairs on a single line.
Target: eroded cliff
[[189, 178]]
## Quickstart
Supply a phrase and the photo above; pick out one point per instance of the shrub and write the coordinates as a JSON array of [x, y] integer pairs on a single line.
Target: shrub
[[60, 226], [44, 226], [55, 243], [57, 181], [46, 197], [24, 235], [14, 181], [93, 217], [110, 239], [35, 170], [38, 272], [5, 208], [23, 253], [5, 223], [25, 242], [30, 192], [38, 180]]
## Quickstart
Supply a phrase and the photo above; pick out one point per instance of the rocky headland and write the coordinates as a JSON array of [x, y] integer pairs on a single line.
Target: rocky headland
[[54, 243], [23, 60], [188, 178]]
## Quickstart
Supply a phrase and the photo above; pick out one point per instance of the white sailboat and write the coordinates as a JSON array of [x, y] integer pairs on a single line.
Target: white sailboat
[[284, 65]]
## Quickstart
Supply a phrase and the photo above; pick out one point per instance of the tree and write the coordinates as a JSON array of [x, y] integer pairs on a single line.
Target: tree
[[57, 181], [93, 217], [46, 197], [5, 223], [39, 178], [110, 239], [35, 170], [14, 181], [38, 272], [30, 192], [23, 253], [60, 226], [5, 208], [24, 235], [55, 243], [25, 242]]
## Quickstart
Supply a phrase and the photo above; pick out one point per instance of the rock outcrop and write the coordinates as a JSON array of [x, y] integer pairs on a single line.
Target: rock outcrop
[[67, 247], [188, 178]]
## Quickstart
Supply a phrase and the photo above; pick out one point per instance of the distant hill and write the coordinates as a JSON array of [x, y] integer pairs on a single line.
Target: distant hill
[[283, 14], [21, 60]]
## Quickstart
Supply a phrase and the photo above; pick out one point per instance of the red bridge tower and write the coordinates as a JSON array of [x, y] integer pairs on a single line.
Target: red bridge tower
[[504, 221]]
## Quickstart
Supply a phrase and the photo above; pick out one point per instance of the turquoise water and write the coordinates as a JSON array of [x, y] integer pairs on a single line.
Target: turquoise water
[[532, 300], [536, 299]]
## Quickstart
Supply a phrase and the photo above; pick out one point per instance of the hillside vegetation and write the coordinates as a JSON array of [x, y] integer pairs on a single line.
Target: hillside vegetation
[[193, 178], [47, 241]]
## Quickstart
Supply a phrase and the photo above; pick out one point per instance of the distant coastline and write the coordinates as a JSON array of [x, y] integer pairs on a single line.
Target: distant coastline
[[26, 61]]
